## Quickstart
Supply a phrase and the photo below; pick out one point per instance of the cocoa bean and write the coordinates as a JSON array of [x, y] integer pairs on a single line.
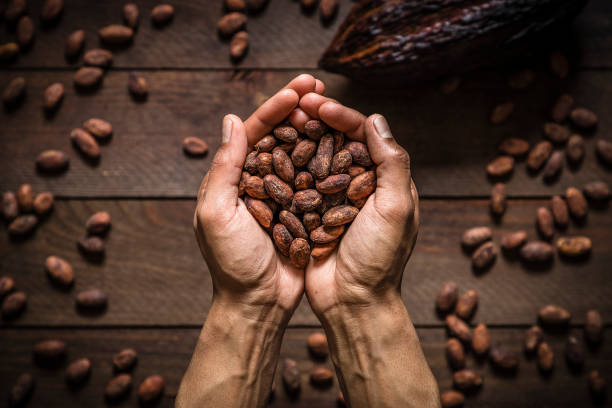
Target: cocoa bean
[[255, 6], [88, 77], [501, 113], [242, 184], [325, 235], [332, 200], [339, 215], [455, 355], [118, 387], [99, 128], [476, 236], [583, 118], [78, 371], [537, 252], [116, 34], [291, 377], [321, 377], [43, 202], [341, 162], [559, 211], [53, 96], [74, 43], [14, 10], [513, 146], [553, 166], [52, 161], [317, 345], [311, 220], [562, 107], [151, 389], [131, 15], [9, 51], [576, 203], [265, 144], [283, 166], [282, 238], [14, 92], [338, 142], [328, 9], [467, 380], [23, 225], [321, 251], [513, 241], [91, 246], [85, 143], [59, 270], [484, 256], [597, 386], [315, 129], [501, 166], [125, 360], [98, 223], [521, 79], [10, 208], [481, 340], [447, 297], [593, 327], [553, 315], [320, 164], [333, 184], [452, 399], [355, 170], [545, 223], [25, 32], [307, 200], [597, 191], [299, 253], [137, 85], [194, 146], [604, 151], [498, 202], [303, 152], [259, 210], [254, 187], [304, 181], [458, 328], [574, 353], [7, 285], [50, 353], [467, 304], [264, 164], [559, 66], [574, 247], [51, 10], [503, 359], [546, 357], [359, 153], [538, 155], [533, 337], [285, 133], [98, 57], [22, 390], [293, 224], [234, 5], [556, 133], [162, 14], [278, 190], [361, 186], [25, 198], [13, 305], [92, 299]]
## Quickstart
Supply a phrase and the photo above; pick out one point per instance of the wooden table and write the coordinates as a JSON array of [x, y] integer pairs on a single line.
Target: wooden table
[[158, 284]]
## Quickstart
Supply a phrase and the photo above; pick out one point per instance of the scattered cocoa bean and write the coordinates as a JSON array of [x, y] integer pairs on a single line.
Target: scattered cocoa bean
[[325, 235], [467, 380], [14, 10], [604, 151], [25, 198], [574, 247], [467, 304], [259, 210], [74, 43], [333, 184], [450, 85], [576, 203], [9, 51], [13, 305], [92, 299], [545, 223], [452, 399], [498, 202], [597, 191], [10, 207], [50, 353], [501, 166], [320, 164], [125, 360], [504, 359], [116, 34], [538, 155], [88, 77], [328, 9], [59, 270], [304, 181], [99, 128], [52, 161], [593, 327], [137, 85], [559, 65], [546, 357], [556, 133], [91, 246], [458, 328], [25, 32], [23, 225], [321, 377], [597, 385], [194, 146], [162, 14], [317, 345], [239, 45], [14, 92], [98, 57], [359, 153], [264, 164], [553, 166], [560, 211], [7, 285], [118, 387], [562, 107], [78, 371], [22, 389], [583, 118], [553, 315], [151, 389], [98, 223], [484, 256], [293, 224], [53, 96], [455, 355], [447, 297], [230, 24], [537, 252], [321, 251], [476, 236], [234, 5], [85, 143], [513, 146], [533, 337], [315, 129], [311, 220], [513, 241], [481, 340], [51, 10], [521, 79], [131, 15], [501, 113], [291, 376], [282, 238], [574, 353]]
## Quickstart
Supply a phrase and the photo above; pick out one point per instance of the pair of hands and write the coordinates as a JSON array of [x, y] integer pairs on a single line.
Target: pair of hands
[[365, 269]]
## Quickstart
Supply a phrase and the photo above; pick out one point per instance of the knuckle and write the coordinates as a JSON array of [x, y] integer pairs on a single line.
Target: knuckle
[[402, 157]]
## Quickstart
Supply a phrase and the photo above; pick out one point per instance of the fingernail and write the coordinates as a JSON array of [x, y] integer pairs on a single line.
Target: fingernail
[[226, 132], [382, 127]]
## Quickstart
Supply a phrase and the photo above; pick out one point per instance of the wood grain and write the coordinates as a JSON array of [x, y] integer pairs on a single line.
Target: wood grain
[[154, 274], [167, 352], [448, 136]]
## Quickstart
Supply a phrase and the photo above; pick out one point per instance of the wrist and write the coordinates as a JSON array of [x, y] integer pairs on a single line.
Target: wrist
[[250, 313], [389, 305]]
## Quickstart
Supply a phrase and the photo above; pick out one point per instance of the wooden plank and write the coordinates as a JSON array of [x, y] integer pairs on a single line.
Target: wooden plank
[[154, 273], [281, 37], [167, 352], [448, 136]]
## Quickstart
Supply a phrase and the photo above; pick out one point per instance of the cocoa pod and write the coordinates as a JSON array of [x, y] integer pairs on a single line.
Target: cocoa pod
[[311, 220], [553, 166], [25, 32], [14, 9], [484, 256], [137, 85], [560, 212], [513, 241], [315, 129], [333, 184], [481, 340], [286, 133], [321, 251], [597, 385], [125, 360], [361, 186], [53, 96], [467, 304], [498, 202], [74, 43], [195, 146], [341, 162], [99, 128], [501, 166], [299, 253], [131, 15], [593, 327], [521, 79], [22, 390], [359, 153], [467, 380], [98, 57], [583, 118], [317, 345], [558, 64], [23, 225], [50, 353], [553, 315], [574, 247], [455, 355], [303, 152], [355, 170], [13, 305], [283, 166], [321, 377], [503, 359], [597, 191], [501, 113], [162, 14], [293, 224], [604, 151], [562, 107], [278, 190], [85, 143], [532, 339], [234, 5], [266, 144], [476, 236], [452, 399], [303, 181], [292, 380], [458, 328], [59, 270], [538, 155], [88, 77], [92, 299], [91, 246], [537, 252], [14, 92], [282, 238], [514, 147], [118, 387], [264, 164], [7, 285], [307, 200], [25, 198], [320, 164], [78, 371], [259, 210], [447, 297], [116, 34], [51, 10], [98, 223], [10, 208], [545, 223], [151, 389], [339, 215], [546, 357], [556, 133], [9, 51], [576, 203], [254, 187], [328, 9], [325, 235], [574, 353]]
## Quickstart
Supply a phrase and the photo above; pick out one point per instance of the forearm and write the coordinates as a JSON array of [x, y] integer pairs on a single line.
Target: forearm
[[234, 360], [378, 357]]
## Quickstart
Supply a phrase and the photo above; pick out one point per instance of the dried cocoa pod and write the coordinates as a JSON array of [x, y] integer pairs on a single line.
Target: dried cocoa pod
[[291, 377], [286, 133], [455, 355], [481, 340], [533, 337], [321, 251], [556, 133], [562, 107], [574, 247], [597, 386], [137, 85], [162, 14], [13, 305], [10, 208], [501, 166], [53, 96], [484, 256], [85, 143], [116, 34], [51, 10], [574, 353], [25, 32], [604, 151], [265, 144], [92, 299], [597, 191], [125, 360], [293, 224], [339, 215], [91, 246], [299, 253], [320, 164], [234, 5], [503, 359], [553, 315], [52, 161], [325, 235], [264, 164], [452, 399], [303, 181], [593, 327], [576, 203], [88, 77], [328, 9], [317, 345], [583, 118], [467, 380], [538, 155], [355, 170], [99, 128], [14, 10], [59, 270], [307, 200], [458, 328], [521, 79], [560, 212], [98, 223], [311, 220], [537, 252], [9, 51], [333, 184], [283, 166], [259, 210], [303, 152], [359, 153], [23, 225], [118, 387], [513, 241], [447, 297], [501, 113], [467, 304], [553, 166], [50, 352], [25, 198], [14, 92], [131, 15], [195, 146], [546, 357], [498, 202], [513, 146], [559, 65], [341, 162], [476, 236], [315, 129], [78, 371], [545, 223], [151, 389], [22, 390], [278, 190], [74, 43], [98, 57], [7, 285], [321, 377], [282, 238], [361, 186], [338, 142], [254, 187]]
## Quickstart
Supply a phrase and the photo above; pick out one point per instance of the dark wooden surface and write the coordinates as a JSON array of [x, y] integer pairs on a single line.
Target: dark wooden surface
[[159, 286]]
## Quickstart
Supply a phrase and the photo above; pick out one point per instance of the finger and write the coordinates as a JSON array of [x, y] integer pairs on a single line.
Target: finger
[[202, 187], [319, 87], [303, 84], [311, 102], [269, 114], [346, 120], [298, 119]]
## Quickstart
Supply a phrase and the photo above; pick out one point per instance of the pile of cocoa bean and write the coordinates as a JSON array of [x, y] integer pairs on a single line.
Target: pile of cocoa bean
[[306, 189]]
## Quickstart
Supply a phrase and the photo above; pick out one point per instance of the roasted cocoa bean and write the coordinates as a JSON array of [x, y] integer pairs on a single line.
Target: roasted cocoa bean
[[355, 170], [125, 360], [513, 241], [501, 113], [338, 142], [59, 270], [458, 328], [339, 215], [98, 223], [553, 166], [25, 32], [321, 251], [597, 191], [50, 353], [7, 285], [333, 184], [321, 377], [266, 144], [574, 247], [481, 340], [546, 357], [264, 164], [521, 79], [194, 146], [291, 376], [583, 118], [553, 315], [320, 164], [501, 166], [467, 380], [25, 198], [574, 353], [556, 133], [341, 162], [98, 57], [604, 151], [311, 220], [23, 225], [78, 371], [593, 327], [162, 14], [92, 299], [116, 34], [10, 208], [14, 10], [283, 166], [52, 161], [597, 386], [455, 355], [99, 128], [293, 224], [503, 359], [562, 107], [13, 305], [452, 399], [282, 238], [359, 153], [545, 223], [137, 85], [315, 129], [328, 9], [537, 252], [484, 256], [361, 186], [14, 92], [118, 387], [513, 146], [278, 190], [498, 202], [259, 210], [467, 304], [325, 235], [299, 253], [230, 24], [43, 202], [304, 181], [85, 143], [532, 339], [234, 5], [576, 203], [307, 200], [131, 15], [51, 10], [74, 43], [53, 96], [317, 345], [559, 210], [559, 66], [447, 297], [88, 77], [22, 390], [9, 51], [151, 389], [476, 236], [538, 155], [91, 246]]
